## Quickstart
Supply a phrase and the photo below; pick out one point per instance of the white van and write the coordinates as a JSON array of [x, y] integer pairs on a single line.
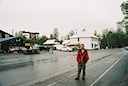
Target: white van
[[58, 47]]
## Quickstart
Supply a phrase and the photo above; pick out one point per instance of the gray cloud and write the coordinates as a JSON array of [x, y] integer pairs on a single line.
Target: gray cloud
[[44, 15]]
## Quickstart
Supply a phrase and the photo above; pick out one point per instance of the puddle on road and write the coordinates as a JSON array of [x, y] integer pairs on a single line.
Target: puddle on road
[[16, 66]]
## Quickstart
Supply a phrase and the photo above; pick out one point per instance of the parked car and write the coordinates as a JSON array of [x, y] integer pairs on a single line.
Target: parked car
[[58, 47], [65, 48], [74, 48], [12, 49], [18, 49]]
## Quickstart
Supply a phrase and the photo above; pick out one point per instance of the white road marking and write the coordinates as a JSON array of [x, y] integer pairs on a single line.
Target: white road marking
[[54, 83], [107, 70], [86, 69], [74, 73], [71, 75]]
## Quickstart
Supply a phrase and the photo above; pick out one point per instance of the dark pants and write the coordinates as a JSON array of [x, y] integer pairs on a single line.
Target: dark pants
[[81, 66]]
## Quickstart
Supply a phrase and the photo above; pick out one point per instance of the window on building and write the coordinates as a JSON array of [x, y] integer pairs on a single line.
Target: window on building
[[92, 45], [78, 39], [0, 46]]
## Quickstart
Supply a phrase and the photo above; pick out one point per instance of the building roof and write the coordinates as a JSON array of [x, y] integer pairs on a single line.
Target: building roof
[[51, 42], [9, 38], [83, 34], [66, 41], [6, 33]]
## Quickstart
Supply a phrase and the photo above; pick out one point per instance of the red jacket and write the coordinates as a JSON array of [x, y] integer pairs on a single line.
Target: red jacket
[[85, 56]]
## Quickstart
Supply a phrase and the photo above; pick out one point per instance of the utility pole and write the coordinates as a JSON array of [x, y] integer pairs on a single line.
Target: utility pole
[[13, 32]]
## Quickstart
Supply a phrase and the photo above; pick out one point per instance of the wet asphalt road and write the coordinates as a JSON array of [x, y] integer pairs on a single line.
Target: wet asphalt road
[[62, 67], [106, 72]]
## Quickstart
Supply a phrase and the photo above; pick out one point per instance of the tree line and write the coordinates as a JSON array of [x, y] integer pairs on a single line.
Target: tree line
[[112, 39], [116, 38], [53, 35], [109, 38]]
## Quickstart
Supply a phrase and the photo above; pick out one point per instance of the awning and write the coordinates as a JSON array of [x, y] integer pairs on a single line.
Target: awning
[[73, 44], [51, 42], [9, 38]]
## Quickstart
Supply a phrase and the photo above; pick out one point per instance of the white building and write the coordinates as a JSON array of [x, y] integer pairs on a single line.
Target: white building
[[90, 41]]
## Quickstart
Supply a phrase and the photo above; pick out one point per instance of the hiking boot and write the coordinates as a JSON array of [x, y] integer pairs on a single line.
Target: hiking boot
[[83, 78], [76, 78]]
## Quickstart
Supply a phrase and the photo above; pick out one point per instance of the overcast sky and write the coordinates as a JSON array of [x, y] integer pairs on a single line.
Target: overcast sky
[[44, 15]]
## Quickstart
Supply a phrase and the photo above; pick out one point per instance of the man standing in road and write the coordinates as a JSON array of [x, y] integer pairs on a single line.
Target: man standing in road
[[82, 58]]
